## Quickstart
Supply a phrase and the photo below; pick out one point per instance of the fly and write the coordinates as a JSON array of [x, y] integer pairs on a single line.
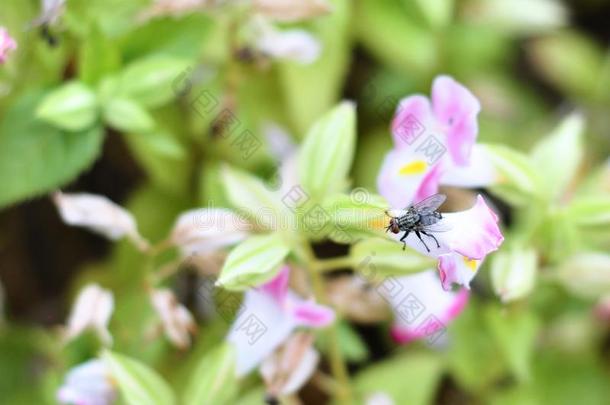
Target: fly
[[418, 218]]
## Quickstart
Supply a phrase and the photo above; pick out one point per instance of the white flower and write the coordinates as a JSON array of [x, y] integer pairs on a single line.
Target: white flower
[[294, 44], [290, 366], [50, 13], [292, 10], [98, 214], [177, 320], [89, 383], [379, 398], [207, 230], [92, 310]]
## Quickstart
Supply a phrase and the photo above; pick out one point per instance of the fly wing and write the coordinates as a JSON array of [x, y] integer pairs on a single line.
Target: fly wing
[[429, 205], [438, 227]]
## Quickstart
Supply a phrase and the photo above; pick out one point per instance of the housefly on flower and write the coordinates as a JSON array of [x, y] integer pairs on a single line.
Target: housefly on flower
[[419, 218]]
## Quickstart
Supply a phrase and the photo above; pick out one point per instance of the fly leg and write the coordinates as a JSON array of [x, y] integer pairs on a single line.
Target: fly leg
[[422, 241], [433, 237], [404, 244]]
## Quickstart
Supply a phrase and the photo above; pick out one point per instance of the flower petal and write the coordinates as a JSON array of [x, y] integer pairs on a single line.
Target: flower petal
[[207, 230], [401, 176], [7, 44], [421, 307], [479, 172], [308, 313], [92, 309], [277, 288], [413, 115], [456, 110], [89, 383], [473, 233], [455, 268], [98, 214], [261, 326]]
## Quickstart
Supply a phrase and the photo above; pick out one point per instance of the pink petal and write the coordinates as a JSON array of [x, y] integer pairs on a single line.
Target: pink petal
[[410, 120], [278, 286], [456, 110], [421, 307], [7, 44], [474, 233], [308, 313], [430, 183]]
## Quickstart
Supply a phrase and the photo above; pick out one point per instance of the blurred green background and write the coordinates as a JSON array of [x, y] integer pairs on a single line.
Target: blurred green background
[[529, 62]]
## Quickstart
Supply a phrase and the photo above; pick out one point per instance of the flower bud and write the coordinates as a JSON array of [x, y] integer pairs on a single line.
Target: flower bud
[[292, 10], [513, 273], [98, 214], [586, 274], [290, 366], [176, 319], [92, 310]]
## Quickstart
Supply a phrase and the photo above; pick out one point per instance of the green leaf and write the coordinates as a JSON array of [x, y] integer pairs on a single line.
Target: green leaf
[[149, 81], [557, 156], [310, 91], [251, 196], [253, 262], [36, 157], [438, 12], [72, 107], [377, 21], [382, 257], [327, 152], [127, 115], [592, 211], [515, 332], [98, 57], [139, 384], [409, 379], [518, 180], [355, 216], [352, 346], [213, 381]]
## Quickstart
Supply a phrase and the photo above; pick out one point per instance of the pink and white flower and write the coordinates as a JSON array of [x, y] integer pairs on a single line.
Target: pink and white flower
[[269, 314], [434, 143], [421, 307], [7, 44], [89, 383], [92, 310]]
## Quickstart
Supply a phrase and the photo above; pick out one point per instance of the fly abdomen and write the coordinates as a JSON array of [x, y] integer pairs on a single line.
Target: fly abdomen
[[426, 220]]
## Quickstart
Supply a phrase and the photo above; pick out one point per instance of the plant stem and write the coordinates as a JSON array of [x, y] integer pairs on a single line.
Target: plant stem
[[335, 263], [337, 363]]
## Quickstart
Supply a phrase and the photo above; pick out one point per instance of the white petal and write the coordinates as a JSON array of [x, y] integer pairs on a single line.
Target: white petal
[[176, 319], [513, 273], [422, 308], [206, 230], [98, 214], [261, 326], [89, 383], [302, 373], [455, 268], [291, 10], [294, 44], [92, 309], [480, 171]]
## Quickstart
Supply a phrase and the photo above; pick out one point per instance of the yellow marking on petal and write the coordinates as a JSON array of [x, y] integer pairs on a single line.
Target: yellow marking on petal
[[415, 167], [379, 222], [470, 263]]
